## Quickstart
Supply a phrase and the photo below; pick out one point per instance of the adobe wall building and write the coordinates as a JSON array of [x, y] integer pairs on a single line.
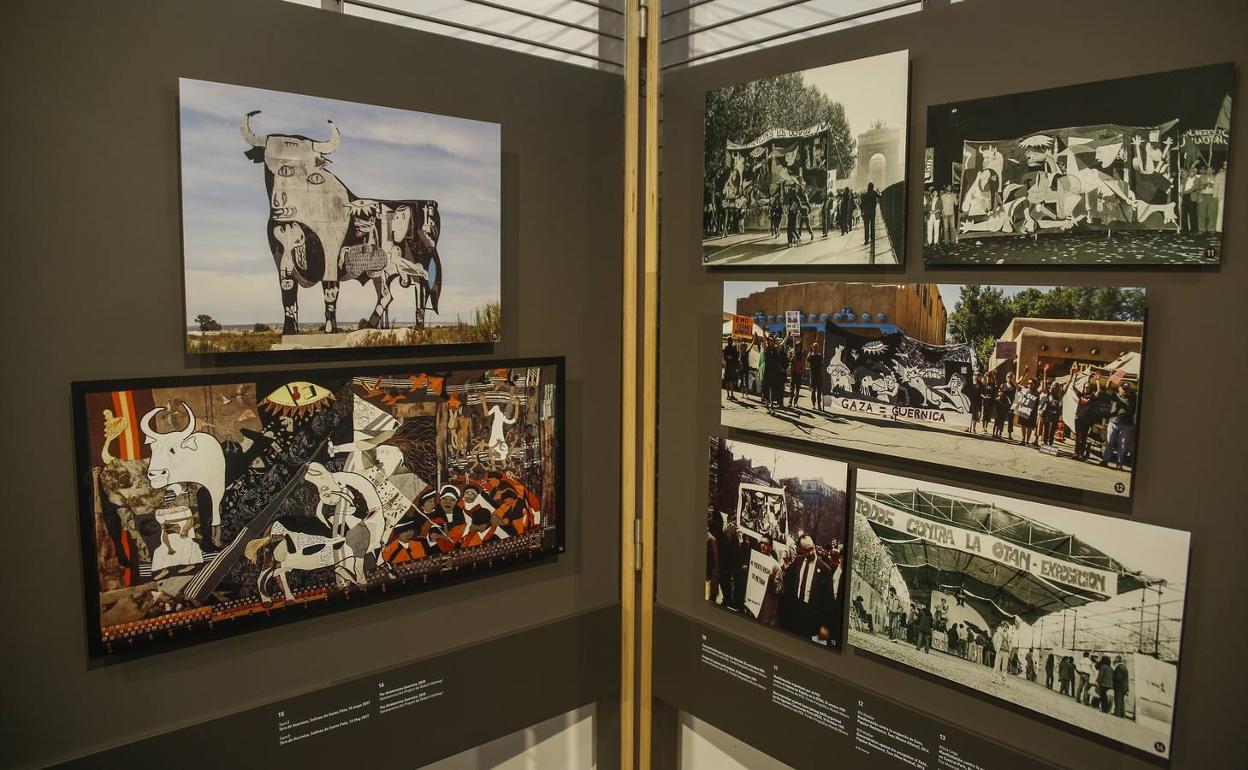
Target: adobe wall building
[[1060, 342], [869, 309]]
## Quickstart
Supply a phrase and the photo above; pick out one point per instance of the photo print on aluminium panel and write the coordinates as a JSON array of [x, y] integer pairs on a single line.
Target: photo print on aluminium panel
[[313, 223], [1073, 615], [808, 168], [775, 536], [265, 497], [1037, 384], [1121, 172]]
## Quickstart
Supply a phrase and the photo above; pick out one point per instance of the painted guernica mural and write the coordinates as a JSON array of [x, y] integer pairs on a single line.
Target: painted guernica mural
[[231, 497]]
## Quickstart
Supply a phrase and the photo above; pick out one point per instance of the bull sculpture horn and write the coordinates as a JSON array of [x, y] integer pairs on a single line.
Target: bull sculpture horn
[[248, 134], [330, 144]]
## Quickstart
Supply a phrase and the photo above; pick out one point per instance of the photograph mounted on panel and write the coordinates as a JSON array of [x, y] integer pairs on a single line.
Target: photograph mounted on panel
[[1070, 614], [251, 498], [775, 534], [1040, 384], [808, 168], [1119, 172], [313, 223]]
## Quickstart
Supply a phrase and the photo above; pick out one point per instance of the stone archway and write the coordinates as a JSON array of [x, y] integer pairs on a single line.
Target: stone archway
[[885, 142]]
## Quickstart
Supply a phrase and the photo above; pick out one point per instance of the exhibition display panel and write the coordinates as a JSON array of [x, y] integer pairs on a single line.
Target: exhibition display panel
[[347, 214], [670, 410], [1023, 525]]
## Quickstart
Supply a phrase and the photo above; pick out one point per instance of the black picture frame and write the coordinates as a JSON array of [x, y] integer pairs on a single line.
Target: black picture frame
[[101, 654]]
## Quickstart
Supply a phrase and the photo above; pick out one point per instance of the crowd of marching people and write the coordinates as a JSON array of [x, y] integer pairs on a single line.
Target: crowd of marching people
[[790, 209], [1094, 680], [773, 370], [998, 405]]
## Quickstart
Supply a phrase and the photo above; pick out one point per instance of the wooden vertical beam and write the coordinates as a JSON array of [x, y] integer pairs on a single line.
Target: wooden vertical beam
[[628, 388], [650, 374]]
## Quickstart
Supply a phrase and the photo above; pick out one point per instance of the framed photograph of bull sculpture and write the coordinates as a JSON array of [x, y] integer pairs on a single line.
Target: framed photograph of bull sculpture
[[315, 224], [266, 497]]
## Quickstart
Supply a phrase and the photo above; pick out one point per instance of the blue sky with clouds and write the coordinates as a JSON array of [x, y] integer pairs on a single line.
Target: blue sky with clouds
[[385, 153]]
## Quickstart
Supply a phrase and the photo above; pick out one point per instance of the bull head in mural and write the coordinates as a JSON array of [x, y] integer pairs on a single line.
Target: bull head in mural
[[186, 456]]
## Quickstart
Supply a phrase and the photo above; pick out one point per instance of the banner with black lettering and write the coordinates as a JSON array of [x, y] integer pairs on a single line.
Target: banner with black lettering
[[898, 378], [943, 534]]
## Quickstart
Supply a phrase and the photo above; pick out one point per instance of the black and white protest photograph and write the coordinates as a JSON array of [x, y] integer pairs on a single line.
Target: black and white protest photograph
[[775, 536], [1040, 384], [808, 168], [1122, 172], [1073, 615]]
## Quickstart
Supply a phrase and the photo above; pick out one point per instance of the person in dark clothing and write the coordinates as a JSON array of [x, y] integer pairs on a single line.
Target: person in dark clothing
[[1005, 404], [1049, 663], [1105, 683], [870, 199], [775, 212], [1085, 416], [814, 365], [1121, 425], [861, 613], [803, 213], [792, 209], [1066, 676], [923, 640], [846, 211], [731, 361], [1052, 413], [1122, 680], [729, 552], [975, 400], [807, 598], [988, 399], [797, 373], [774, 370], [826, 212], [714, 529]]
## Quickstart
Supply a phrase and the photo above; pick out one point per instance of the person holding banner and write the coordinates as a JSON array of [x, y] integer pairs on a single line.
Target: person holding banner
[[1025, 405]]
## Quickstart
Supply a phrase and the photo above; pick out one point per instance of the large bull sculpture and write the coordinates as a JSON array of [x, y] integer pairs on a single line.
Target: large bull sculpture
[[319, 232]]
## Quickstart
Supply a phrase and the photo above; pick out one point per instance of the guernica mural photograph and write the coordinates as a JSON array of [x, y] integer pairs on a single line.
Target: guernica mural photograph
[[1039, 384], [808, 168], [775, 538], [317, 223], [1121, 172], [1073, 615], [242, 498]]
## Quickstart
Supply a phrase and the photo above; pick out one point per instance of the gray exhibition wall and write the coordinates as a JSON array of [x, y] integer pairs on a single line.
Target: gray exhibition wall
[[1192, 425], [92, 212]]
